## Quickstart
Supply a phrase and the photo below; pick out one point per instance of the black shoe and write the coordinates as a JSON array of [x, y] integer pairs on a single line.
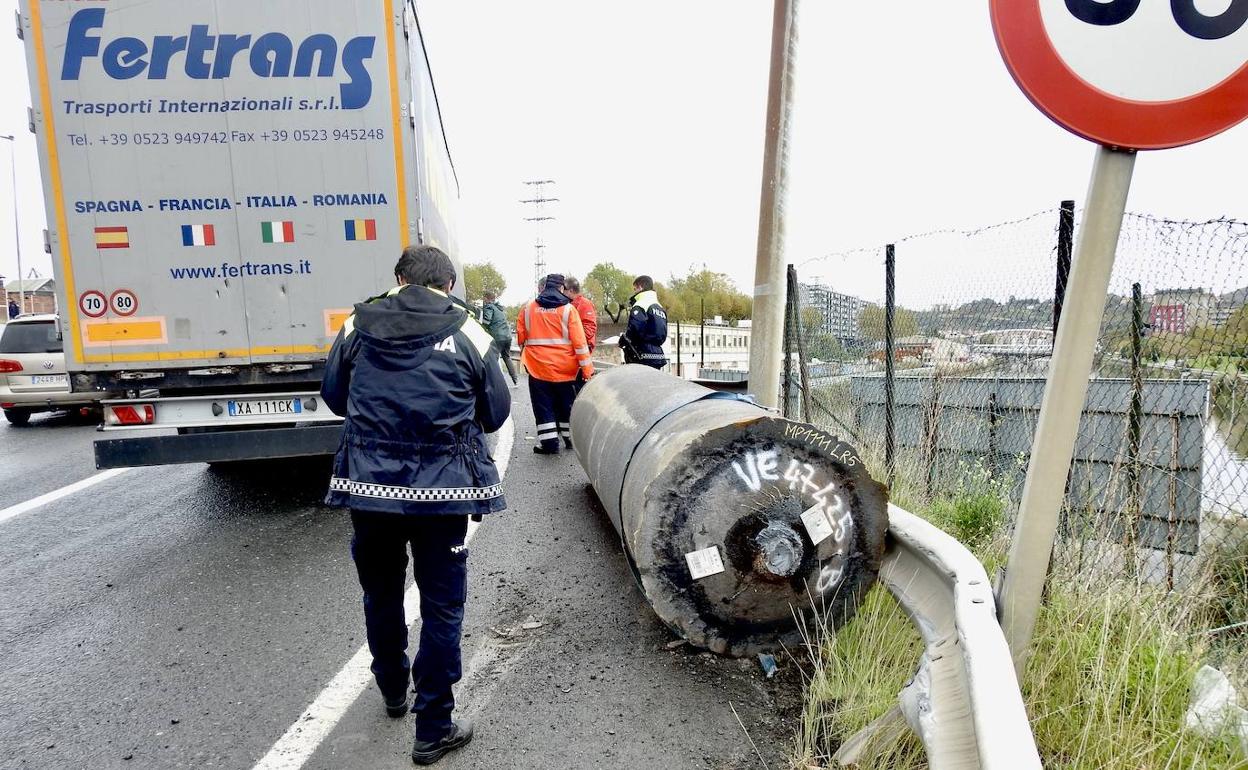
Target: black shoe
[[428, 752], [396, 707], [541, 450], [567, 442]]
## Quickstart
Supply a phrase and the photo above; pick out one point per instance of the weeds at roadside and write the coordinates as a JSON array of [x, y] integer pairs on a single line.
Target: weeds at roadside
[[1108, 683]]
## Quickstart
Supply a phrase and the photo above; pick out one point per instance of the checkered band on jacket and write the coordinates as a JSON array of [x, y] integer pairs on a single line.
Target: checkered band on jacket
[[381, 491]]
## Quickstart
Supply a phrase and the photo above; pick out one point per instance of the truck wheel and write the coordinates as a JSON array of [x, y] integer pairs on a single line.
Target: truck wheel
[[17, 417]]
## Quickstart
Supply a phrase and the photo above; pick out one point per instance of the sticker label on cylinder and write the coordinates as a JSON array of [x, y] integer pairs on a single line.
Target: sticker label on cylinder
[[817, 524], [705, 563]]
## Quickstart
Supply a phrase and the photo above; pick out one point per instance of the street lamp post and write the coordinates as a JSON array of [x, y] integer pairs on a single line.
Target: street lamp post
[[17, 231]]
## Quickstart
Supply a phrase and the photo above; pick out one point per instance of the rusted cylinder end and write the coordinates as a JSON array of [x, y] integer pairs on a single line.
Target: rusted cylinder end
[[778, 552], [738, 522]]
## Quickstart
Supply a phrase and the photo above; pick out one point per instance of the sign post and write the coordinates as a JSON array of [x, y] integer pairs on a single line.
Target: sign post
[[1176, 76]]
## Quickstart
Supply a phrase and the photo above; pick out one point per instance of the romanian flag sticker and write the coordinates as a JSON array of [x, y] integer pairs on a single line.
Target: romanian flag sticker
[[361, 229], [277, 232], [112, 238], [199, 235]]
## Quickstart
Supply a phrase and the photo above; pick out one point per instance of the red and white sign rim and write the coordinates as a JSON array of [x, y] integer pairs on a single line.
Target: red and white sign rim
[[82, 303], [112, 302], [1100, 116]]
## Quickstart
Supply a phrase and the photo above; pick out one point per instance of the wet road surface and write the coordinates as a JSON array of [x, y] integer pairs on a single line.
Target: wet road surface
[[186, 617]]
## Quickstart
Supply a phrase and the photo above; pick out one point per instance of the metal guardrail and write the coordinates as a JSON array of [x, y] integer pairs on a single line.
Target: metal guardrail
[[723, 375], [964, 702]]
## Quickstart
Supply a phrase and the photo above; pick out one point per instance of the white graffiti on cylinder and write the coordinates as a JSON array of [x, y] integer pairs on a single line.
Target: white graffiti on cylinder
[[759, 467]]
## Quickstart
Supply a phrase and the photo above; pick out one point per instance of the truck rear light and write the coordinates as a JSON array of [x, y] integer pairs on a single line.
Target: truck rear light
[[7, 405], [8, 365], [130, 414]]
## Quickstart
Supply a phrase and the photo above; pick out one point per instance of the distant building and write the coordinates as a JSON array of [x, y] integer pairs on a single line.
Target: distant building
[[917, 348], [840, 312], [945, 352], [1179, 311], [727, 348], [1168, 318], [38, 295], [1222, 313]]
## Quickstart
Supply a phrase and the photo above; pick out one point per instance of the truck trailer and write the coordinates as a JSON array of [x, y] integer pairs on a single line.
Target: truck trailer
[[223, 182]]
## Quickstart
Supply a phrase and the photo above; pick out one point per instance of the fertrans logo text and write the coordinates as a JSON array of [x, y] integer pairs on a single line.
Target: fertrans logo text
[[205, 56]]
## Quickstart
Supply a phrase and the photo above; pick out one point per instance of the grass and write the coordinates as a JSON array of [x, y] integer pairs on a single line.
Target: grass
[[1109, 679], [1219, 363]]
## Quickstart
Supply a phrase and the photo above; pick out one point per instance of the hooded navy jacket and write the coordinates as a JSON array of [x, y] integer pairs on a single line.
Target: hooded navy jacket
[[419, 383]]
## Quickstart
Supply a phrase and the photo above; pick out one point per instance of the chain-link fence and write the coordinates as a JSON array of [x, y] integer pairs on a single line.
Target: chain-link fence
[[1158, 489]]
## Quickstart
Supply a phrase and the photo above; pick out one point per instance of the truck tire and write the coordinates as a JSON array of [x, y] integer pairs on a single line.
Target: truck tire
[[17, 417]]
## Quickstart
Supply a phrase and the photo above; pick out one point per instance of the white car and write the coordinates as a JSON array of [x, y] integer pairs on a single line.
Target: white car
[[32, 370]]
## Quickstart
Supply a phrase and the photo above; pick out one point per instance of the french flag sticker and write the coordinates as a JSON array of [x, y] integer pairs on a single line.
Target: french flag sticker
[[198, 235]]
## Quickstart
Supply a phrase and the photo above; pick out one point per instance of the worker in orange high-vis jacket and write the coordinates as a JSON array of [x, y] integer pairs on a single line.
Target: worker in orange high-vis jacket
[[589, 318], [553, 350]]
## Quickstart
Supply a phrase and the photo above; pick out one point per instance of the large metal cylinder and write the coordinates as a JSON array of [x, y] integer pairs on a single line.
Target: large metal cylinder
[[736, 522]]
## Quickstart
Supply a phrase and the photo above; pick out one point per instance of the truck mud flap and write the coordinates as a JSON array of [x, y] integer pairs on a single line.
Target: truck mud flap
[[224, 446]]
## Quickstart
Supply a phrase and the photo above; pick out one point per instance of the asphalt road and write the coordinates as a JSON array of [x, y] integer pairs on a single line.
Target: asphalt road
[[188, 617]]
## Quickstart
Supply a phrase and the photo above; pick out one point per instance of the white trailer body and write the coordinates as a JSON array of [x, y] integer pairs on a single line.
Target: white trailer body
[[223, 182]]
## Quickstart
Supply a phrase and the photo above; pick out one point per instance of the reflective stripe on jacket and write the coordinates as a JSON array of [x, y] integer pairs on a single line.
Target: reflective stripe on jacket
[[418, 382], [553, 343], [647, 331]]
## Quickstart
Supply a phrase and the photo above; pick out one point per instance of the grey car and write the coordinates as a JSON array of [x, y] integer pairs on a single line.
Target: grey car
[[32, 370]]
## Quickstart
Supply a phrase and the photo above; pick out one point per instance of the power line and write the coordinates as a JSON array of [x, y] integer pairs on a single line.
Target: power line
[[539, 202]]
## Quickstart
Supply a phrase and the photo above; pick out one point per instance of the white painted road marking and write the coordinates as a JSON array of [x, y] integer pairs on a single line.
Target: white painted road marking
[[51, 497], [301, 740]]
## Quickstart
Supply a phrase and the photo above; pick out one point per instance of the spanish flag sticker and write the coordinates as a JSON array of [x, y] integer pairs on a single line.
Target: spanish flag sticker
[[112, 238]]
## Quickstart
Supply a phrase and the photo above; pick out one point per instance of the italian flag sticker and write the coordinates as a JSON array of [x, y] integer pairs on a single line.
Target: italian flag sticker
[[277, 232]]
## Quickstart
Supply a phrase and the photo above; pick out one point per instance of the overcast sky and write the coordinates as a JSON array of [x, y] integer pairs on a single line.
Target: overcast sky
[[649, 115]]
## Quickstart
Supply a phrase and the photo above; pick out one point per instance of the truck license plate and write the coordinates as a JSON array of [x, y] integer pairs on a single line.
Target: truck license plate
[[49, 379], [267, 407]]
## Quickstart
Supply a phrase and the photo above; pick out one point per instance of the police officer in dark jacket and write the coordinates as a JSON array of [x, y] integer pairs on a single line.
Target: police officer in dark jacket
[[419, 383], [647, 326]]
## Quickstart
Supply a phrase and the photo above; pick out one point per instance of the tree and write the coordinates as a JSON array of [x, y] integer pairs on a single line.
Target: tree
[[481, 278], [825, 347], [871, 323], [607, 284], [1235, 332], [812, 322], [684, 297]]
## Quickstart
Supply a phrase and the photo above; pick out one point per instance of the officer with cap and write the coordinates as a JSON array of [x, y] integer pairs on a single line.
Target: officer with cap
[[419, 383]]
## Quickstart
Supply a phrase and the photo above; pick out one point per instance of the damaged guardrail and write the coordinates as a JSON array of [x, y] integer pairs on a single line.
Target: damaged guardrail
[[735, 521], [964, 702]]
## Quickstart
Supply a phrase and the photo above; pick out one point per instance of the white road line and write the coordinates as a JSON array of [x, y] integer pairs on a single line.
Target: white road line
[[51, 497], [300, 742]]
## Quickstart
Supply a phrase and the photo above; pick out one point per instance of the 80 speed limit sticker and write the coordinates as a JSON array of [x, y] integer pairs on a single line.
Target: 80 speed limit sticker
[[123, 302], [1135, 74]]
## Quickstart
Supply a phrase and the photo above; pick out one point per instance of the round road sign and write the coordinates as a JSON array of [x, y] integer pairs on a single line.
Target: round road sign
[[1135, 74], [124, 302], [93, 304]]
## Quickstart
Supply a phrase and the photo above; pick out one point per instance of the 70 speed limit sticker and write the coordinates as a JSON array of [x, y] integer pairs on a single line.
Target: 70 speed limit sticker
[[93, 304], [1136, 74]]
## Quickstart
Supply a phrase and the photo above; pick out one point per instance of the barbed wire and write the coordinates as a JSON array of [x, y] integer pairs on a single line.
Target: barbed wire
[[966, 233]]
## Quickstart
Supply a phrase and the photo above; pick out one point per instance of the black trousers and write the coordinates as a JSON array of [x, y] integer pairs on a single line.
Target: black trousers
[[552, 410], [504, 352], [440, 564]]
